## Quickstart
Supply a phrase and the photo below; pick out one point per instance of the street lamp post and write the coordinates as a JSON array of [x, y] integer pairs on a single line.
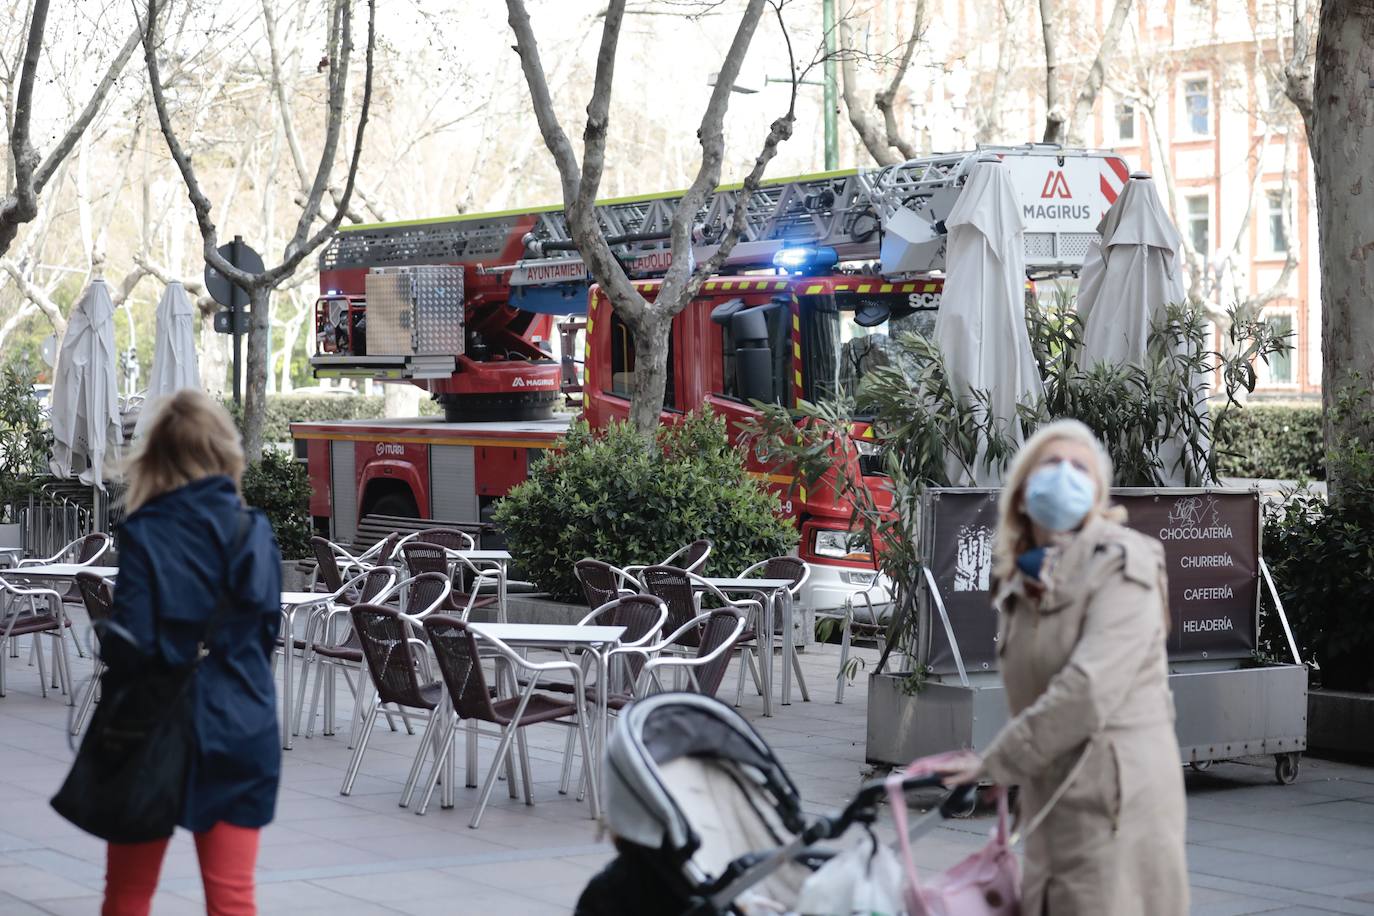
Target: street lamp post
[[831, 102]]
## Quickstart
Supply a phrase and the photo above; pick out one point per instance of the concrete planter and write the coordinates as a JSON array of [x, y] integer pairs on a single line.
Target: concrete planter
[[293, 578], [11, 535], [1340, 722], [537, 608], [939, 717]]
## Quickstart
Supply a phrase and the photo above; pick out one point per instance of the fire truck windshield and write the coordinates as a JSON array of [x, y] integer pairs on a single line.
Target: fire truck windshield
[[847, 335]]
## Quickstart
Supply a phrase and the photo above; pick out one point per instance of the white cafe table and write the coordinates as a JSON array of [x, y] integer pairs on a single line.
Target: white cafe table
[[771, 593], [58, 571], [598, 641], [496, 559], [291, 602]]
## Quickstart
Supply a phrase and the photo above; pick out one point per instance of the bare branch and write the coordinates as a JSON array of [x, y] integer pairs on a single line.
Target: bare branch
[[1054, 112], [1097, 73], [871, 135], [886, 99], [712, 139], [30, 174]]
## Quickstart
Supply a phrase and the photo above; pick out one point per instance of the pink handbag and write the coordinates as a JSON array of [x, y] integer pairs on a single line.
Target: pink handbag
[[987, 883]]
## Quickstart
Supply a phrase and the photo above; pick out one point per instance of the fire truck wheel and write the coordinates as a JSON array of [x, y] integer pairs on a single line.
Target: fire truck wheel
[[398, 505]]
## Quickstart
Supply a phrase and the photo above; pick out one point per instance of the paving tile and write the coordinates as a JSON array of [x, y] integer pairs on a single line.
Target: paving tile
[[1259, 848]]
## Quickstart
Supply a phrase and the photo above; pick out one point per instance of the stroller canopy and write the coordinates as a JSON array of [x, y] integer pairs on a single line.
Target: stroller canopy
[[656, 731]]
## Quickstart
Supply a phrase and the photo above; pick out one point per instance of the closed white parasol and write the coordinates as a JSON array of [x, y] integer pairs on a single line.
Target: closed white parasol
[[1124, 292], [981, 325], [174, 349], [1125, 289], [85, 400]]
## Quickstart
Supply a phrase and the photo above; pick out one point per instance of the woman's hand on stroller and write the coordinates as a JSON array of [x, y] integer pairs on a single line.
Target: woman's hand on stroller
[[963, 769]]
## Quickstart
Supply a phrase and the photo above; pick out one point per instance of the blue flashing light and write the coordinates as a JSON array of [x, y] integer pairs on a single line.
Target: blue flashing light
[[806, 259]]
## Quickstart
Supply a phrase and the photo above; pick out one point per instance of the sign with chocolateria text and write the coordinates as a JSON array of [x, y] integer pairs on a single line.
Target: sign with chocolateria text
[[1211, 544], [1211, 541]]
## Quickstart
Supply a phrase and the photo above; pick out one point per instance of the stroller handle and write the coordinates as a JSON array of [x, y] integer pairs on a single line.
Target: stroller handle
[[863, 807]]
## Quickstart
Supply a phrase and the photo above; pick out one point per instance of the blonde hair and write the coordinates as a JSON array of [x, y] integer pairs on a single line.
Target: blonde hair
[[1013, 527], [190, 437]]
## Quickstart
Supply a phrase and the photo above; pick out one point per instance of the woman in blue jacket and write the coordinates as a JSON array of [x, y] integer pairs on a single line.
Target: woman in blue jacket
[[187, 539]]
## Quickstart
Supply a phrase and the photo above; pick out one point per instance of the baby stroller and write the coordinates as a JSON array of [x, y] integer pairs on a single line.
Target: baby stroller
[[703, 812]]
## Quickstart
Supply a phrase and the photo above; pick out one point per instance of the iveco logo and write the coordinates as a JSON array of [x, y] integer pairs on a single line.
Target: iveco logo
[[390, 448]]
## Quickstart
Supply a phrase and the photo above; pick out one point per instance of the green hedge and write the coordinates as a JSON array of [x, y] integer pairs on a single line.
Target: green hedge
[[285, 409], [1272, 441]]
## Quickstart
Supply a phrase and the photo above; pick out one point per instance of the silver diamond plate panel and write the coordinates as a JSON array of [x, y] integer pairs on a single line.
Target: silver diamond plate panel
[[438, 310], [415, 311], [390, 313]]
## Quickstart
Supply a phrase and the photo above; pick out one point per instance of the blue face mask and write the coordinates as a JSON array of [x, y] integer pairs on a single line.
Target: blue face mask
[[1059, 496]]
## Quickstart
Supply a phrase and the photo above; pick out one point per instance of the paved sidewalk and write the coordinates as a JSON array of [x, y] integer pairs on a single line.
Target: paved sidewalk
[[1254, 847]]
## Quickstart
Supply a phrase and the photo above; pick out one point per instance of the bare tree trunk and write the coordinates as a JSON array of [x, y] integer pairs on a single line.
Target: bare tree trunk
[[305, 238], [870, 132], [1097, 73], [581, 183], [651, 371], [256, 368], [885, 141], [1342, 150], [1054, 112], [1008, 39]]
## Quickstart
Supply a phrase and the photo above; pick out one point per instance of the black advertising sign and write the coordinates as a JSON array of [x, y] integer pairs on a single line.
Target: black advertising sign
[[1211, 550], [958, 530], [1211, 554]]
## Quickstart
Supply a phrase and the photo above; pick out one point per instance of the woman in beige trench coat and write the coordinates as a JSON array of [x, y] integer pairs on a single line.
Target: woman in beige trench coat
[[1082, 646]]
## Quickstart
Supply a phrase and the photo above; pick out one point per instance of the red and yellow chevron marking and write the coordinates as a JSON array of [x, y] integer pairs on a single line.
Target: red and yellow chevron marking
[[798, 391], [736, 285]]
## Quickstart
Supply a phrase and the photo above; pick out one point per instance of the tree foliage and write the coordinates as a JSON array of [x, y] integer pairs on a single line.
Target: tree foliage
[[279, 485], [602, 495], [25, 439]]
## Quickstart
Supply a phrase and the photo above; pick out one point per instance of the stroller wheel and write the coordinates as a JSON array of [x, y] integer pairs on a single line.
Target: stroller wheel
[[962, 807]]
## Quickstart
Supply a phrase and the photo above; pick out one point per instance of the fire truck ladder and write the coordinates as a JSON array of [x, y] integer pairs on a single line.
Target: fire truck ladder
[[845, 210]]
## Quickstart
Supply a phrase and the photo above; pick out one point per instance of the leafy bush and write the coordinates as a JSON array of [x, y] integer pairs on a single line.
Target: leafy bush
[[25, 439], [280, 486], [604, 495], [1322, 556], [1272, 441], [1322, 559]]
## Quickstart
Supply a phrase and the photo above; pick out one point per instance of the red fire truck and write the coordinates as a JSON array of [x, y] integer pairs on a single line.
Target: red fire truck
[[829, 268]]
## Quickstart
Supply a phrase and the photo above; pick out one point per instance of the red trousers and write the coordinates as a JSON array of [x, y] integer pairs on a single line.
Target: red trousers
[[227, 856]]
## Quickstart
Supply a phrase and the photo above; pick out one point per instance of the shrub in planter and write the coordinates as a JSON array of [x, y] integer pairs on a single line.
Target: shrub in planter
[[605, 495], [1272, 441], [25, 440], [1322, 557], [280, 487]]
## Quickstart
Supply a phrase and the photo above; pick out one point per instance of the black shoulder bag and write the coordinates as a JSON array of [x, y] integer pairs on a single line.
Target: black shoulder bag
[[128, 782]]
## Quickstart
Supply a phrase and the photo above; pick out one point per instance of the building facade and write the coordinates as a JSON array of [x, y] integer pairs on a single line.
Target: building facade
[[1192, 95]]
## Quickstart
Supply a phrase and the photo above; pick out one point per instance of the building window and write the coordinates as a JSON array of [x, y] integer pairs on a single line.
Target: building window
[[1125, 121], [1197, 103], [1281, 364], [1200, 223], [623, 362], [1278, 223]]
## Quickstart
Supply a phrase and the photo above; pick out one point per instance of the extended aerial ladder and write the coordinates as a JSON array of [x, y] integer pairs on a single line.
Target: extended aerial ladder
[[520, 267]]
